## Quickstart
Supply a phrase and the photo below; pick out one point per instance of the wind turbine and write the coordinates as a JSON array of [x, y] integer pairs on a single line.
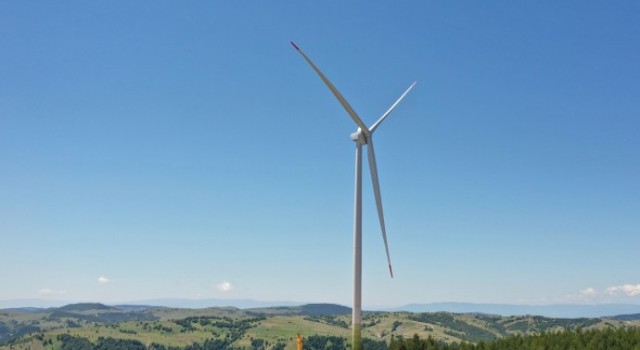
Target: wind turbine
[[362, 137]]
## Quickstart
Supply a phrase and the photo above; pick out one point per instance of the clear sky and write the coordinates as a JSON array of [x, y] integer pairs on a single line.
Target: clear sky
[[184, 149]]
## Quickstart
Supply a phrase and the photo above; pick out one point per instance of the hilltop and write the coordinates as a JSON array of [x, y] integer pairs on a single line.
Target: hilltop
[[305, 310], [86, 307]]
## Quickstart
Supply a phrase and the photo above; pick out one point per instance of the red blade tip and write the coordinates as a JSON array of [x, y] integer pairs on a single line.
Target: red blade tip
[[294, 45]]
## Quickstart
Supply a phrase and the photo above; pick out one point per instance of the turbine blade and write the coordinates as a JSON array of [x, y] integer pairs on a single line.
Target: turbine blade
[[335, 92], [376, 190], [393, 106]]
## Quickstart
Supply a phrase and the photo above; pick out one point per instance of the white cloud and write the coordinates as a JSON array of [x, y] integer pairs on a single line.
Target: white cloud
[[103, 280], [629, 290], [610, 294], [50, 292], [46, 291], [589, 293], [586, 295], [224, 286]]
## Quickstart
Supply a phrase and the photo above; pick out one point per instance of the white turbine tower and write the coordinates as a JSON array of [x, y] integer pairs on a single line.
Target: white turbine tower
[[363, 136]]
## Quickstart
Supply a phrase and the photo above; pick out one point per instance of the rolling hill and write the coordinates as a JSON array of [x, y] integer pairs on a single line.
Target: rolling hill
[[261, 328]]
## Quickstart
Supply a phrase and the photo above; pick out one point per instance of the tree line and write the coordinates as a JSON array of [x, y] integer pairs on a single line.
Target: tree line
[[609, 339]]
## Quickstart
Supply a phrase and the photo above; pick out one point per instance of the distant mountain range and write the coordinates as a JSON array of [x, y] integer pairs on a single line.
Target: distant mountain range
[[167, 302], [631, 317], [557, 310], [100, 309]]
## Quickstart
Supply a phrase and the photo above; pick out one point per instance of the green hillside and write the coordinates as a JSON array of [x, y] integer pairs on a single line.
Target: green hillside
[[86, 307], [89, 325]]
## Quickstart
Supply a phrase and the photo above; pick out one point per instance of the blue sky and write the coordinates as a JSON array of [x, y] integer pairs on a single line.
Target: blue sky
[[157, 149]]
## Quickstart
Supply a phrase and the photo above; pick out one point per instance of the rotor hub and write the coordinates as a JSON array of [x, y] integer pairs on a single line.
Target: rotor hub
[[359, 137]]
